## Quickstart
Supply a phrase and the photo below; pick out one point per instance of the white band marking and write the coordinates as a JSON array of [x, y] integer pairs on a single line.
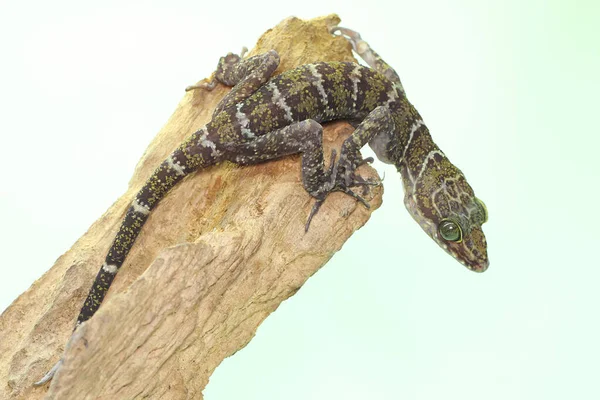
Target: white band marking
[[355, 77], [174, 166], [244, 122], [139, 208], [280, 101], [413, 129], [319, 84], [424, 166], [109, 269]]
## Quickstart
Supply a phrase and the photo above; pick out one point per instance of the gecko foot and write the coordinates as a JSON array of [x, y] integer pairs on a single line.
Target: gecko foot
[[319, 203], [341, 178], [226, 64], [346, 176]]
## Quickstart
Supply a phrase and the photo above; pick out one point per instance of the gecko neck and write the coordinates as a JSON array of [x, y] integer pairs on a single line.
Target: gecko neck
[[409, 146], [418, 152]]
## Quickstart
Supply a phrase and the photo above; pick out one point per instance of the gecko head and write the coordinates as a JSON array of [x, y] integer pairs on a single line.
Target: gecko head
[[441, 200]]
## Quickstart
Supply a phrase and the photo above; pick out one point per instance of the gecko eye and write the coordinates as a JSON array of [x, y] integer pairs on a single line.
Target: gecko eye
[[485, 211], [450, 231]]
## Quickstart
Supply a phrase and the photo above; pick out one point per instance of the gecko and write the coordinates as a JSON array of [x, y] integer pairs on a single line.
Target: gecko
[[264, 118]]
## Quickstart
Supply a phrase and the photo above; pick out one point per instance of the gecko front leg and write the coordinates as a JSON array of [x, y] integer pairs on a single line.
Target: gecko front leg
[[305, 137], [378, 121], [343, 173]]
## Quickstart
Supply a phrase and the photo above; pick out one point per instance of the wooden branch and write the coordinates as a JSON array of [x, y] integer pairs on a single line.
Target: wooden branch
[[217, 256]]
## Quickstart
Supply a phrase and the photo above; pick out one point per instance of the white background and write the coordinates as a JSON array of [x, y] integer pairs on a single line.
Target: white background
[[509, 92]]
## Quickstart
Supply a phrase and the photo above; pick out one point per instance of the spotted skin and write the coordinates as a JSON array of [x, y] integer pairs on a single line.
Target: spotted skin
[[264, 118]]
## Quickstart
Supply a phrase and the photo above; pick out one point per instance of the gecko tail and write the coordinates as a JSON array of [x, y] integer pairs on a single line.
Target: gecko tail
[[195, 153], [50, 374]]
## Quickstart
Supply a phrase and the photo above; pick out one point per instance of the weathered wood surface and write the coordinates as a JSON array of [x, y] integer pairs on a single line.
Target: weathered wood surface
[[218, 255]]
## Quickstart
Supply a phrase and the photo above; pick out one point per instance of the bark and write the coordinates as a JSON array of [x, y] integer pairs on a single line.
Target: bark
[[218, 255]]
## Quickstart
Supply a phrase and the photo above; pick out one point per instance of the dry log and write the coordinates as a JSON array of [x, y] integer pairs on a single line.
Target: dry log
[[216, 257]]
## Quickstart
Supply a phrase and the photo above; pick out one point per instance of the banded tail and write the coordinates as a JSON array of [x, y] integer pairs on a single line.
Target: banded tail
[[195, 153]]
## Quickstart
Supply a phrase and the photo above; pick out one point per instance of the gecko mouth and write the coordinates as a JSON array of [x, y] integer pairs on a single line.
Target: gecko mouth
[[473, 265], [472, 259], [479, 267]]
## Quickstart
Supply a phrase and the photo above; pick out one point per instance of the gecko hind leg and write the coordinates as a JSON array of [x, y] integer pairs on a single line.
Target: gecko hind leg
[[344, 177], [225, 64], [245, 75]]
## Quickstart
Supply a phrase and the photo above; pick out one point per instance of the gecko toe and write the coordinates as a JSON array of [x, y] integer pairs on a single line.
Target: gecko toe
[[358, 197]]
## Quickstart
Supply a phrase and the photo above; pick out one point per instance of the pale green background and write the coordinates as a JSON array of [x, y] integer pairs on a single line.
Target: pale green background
[[509, 91]]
